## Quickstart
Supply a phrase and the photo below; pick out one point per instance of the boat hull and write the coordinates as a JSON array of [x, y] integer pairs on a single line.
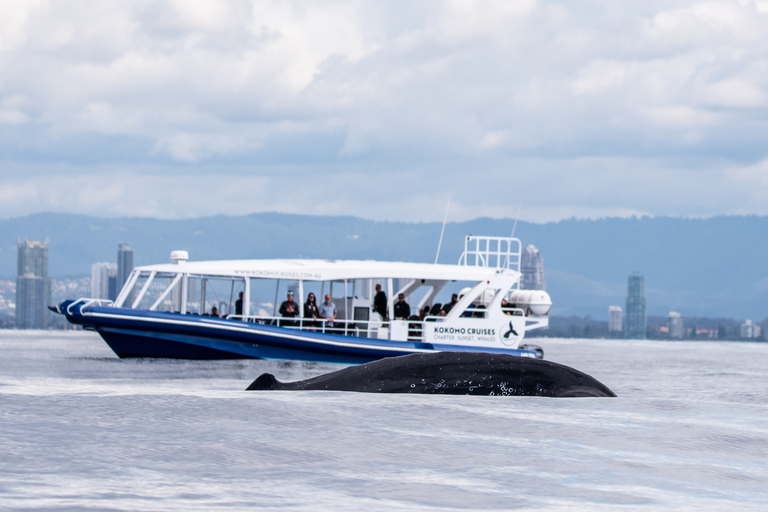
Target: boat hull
[[138, 333]]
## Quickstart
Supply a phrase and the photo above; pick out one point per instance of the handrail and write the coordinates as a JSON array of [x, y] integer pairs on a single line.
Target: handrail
[[342, 327], [486, 248], [87, 302]]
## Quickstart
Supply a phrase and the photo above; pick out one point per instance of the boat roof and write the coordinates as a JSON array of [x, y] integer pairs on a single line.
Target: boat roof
[[328, 270]]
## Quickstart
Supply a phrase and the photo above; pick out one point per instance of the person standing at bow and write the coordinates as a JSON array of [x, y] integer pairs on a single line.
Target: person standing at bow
[[289, 309], [328, 311], [380, 303], [311, 312]]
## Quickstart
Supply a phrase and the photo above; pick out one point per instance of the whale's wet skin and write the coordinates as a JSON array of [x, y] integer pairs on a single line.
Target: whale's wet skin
[[451, 373]]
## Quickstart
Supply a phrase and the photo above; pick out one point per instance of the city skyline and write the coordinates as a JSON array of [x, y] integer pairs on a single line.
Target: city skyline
[[124, 265], [104, 280], [615, 320], [586, 263], [33, 285], [676, 325], [635, 322], [532, 269]]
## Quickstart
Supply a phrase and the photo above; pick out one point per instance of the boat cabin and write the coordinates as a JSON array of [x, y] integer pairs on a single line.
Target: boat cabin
[[486, 279]]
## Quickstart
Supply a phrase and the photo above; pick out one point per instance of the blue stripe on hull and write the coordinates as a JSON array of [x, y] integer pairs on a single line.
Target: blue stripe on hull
[[129, 343], [132, 333]]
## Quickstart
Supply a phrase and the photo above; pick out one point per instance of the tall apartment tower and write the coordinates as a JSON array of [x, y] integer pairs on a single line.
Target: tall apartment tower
[[124, 264], [614, 319], [750, 330], [33, 286], [635, 324], [532, 268], [104, 281], [676, 330]]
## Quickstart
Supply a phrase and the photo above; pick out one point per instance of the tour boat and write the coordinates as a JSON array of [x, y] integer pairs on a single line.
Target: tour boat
[[165, 310]]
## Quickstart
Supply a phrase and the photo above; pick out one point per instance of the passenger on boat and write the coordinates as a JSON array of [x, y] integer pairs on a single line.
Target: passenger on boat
[[509, 308], [415, 330], [239, 305], [311, 312], [214, 312], [327, 311], [289, 309], [380, 303], [448, 307], [402, 309]]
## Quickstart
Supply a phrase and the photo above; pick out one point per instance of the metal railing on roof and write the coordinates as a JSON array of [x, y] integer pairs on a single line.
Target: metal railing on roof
[[492, 252]]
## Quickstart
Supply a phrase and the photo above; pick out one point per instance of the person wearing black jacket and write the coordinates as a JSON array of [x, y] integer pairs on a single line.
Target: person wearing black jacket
[[448, 307], [402, 309], [289, 309], [310, 311], [380, 303]]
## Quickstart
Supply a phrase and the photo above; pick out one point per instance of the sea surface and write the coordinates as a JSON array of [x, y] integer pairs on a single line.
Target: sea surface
[[81, 429]]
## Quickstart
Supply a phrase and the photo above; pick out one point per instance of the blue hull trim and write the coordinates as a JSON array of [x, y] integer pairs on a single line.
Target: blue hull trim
[[127, 344], [138, 333]]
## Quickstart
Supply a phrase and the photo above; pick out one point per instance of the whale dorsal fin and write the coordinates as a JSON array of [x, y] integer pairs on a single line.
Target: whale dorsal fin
[[265, 381]]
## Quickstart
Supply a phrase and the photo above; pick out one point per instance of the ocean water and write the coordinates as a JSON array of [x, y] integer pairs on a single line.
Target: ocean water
[[83, 430]]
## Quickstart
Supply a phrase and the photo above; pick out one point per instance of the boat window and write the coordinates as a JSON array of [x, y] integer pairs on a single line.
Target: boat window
[[337, 289], [280, 288], [444, 295], [149, 295], [138, 286], [193, 295], [315, 287], [220, 293], [262, 297], [160, 297]]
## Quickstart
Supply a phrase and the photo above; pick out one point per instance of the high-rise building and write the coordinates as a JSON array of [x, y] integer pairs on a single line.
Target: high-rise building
[[532, 268], [749, 330], [634, 327], [124, 264], [614, 319], [33, 286], [676, 330], [103, 280]]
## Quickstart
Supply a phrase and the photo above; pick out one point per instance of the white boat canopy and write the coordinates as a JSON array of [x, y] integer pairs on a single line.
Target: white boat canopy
[[326, 270]]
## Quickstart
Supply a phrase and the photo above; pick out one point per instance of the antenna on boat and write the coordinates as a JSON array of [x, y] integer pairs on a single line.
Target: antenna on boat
[[517, 216], [443, 230]]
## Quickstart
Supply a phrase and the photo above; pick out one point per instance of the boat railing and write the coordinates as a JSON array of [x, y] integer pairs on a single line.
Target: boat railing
[[353, 328], [492, 252], [85, 302]]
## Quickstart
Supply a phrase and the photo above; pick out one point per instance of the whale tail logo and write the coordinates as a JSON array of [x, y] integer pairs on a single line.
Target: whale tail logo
[[510, 331]]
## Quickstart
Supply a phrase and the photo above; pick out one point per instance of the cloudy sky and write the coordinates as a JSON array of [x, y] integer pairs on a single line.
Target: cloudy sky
[[184, 108]]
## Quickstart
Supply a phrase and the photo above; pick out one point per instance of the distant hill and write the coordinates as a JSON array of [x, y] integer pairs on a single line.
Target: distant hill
[[705, 267]]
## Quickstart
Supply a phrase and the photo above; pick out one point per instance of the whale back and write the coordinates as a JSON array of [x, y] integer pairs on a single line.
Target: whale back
[[452, 373]]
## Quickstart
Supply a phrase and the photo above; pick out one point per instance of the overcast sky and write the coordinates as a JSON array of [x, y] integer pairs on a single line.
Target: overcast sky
[[384, 109]]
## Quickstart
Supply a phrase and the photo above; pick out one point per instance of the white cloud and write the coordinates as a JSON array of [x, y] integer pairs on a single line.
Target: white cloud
[[751, 183], [588, 109], [193, 147], [736, 93], [13, 117]]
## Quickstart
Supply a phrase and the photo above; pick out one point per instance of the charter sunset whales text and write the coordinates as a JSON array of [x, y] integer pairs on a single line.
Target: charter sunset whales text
[[346, 311]]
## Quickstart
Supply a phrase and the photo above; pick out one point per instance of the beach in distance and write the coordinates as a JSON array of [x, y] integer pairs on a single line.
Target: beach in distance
[[81, 429]]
